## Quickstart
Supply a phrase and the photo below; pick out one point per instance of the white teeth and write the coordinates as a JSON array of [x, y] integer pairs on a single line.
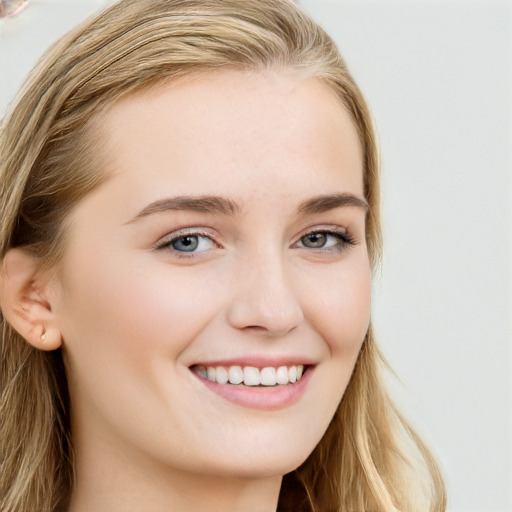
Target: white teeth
[[236, 375], [252, 376], [221, 375], [268, 376], [282, 375]]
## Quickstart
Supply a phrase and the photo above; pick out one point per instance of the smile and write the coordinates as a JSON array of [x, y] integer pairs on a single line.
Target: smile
[[252, 376], [265, 388]]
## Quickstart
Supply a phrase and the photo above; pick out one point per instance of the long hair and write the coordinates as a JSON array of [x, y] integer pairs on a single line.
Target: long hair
[[370, 459]]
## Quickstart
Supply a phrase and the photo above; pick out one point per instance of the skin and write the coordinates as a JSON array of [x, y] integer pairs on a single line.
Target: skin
[[134, 315]]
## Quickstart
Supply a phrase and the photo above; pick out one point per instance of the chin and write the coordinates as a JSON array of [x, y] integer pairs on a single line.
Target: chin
[[266, 462]]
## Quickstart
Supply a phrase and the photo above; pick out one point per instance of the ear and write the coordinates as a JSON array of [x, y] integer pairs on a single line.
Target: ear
[[24, 300]]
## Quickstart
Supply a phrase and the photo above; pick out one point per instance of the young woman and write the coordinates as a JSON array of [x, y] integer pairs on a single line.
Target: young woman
[[190, 217]]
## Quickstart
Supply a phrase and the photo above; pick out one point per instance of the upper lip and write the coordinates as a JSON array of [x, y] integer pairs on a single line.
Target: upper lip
[[259, 361]]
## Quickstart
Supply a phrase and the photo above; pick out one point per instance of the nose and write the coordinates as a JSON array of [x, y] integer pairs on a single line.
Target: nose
[[264, 300]]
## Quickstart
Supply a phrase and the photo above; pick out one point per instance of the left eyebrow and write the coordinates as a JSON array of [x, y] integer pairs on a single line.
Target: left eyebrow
[[324, 203]]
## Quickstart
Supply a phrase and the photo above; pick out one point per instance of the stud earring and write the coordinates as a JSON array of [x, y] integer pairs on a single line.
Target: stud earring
[[43, 336]]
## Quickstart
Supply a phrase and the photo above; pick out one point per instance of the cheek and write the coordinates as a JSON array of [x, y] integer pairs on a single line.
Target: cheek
[[124, 318], [127, 308], [342, 309], [125, 323]]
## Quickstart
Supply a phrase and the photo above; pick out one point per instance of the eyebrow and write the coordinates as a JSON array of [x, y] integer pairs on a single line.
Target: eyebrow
[[200, 204], [324, 203], [226, 206]]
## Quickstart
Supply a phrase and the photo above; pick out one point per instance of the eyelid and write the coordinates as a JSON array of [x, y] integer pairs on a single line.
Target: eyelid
[[329, 229], [343, 234], [325, 228], [189, 231]]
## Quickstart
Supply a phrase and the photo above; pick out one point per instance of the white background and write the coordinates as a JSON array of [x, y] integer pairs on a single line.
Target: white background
[[438, 77]]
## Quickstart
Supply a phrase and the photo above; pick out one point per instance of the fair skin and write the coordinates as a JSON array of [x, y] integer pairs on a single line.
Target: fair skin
[[155, 287]]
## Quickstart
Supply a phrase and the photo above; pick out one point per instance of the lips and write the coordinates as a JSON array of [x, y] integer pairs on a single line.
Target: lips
[[256, 385]]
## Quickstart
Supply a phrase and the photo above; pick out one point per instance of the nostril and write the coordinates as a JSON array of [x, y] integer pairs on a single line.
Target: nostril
[[255, 328], [271, 331]]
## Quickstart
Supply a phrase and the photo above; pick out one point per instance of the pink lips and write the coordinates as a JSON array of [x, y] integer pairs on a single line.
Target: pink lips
[[268, 398]]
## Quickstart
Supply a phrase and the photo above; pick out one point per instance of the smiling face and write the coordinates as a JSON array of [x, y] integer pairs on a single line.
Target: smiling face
[[227, 243]]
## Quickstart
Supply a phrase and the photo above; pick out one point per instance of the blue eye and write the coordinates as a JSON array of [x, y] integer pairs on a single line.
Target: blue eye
[[187, 243]]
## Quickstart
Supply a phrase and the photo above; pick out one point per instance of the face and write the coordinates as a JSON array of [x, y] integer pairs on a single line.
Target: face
[[227, 244]]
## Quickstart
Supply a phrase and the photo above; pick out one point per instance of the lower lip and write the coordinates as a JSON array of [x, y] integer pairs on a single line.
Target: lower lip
[[269, 398]]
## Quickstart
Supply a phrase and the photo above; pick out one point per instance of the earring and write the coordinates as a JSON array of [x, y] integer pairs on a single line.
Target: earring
[[43, 335]]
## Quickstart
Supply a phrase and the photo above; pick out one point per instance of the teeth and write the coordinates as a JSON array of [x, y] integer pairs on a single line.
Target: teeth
[[221, 375], [268, 376], [252, 376], [236, 375], [282, 375]]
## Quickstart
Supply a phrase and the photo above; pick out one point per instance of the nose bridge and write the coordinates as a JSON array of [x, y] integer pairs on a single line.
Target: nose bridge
[[265, 298]]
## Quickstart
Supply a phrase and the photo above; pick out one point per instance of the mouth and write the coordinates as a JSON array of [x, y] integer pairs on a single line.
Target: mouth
[[266, 387], [268, 376]]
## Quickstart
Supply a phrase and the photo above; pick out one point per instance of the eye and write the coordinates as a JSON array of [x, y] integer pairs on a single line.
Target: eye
[[186, 243], [317, 240], [325, 240]]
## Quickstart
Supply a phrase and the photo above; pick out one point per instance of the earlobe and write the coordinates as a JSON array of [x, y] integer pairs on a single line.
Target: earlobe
[[24, 300]]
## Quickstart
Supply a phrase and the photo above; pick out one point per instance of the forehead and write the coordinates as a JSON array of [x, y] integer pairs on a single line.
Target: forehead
[[219, 131]]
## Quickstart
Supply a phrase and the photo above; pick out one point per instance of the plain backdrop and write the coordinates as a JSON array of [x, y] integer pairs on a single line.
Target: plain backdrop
[[438, 78]]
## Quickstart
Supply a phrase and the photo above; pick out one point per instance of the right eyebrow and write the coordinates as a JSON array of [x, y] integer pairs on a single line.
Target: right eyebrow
[[201, 204], [324, 203]]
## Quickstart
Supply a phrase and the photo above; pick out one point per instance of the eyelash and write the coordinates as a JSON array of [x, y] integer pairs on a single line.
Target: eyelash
[[345, 240], [166, 243]]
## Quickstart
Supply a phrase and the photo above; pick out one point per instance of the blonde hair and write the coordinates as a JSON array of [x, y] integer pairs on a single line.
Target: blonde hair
[[48, 162]]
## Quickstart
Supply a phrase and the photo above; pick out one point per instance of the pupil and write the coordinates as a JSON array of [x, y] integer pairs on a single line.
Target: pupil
[[315, 240], [186, 243]]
